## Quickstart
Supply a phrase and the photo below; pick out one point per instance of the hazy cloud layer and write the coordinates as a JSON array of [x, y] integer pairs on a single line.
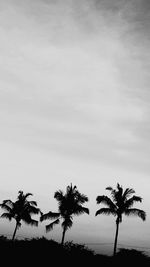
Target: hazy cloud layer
[[74, 77]]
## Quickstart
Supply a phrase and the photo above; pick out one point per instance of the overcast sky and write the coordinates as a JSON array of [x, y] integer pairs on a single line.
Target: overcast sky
[[74, 107]]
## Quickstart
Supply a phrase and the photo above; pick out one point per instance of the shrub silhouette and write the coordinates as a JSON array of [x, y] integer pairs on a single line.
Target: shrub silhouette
[[41, 251], [132, 256]]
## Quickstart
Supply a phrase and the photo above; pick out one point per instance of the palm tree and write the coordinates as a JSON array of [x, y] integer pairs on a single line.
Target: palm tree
[[20, 210], [120, 203], [69, 204]]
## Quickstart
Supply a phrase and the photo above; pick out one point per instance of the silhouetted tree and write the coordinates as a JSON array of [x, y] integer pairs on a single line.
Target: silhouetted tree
[[20, 210], [120, 203], [69, 204]]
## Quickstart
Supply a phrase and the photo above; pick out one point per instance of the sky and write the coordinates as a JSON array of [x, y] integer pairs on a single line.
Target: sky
[[74, 108]]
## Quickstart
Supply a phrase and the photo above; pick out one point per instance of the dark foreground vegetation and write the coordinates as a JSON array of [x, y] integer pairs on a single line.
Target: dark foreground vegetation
[[44, 252]]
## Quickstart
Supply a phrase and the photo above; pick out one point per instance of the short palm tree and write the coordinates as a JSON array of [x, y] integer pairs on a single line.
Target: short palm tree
[[69, 204], [20, 210], [120, 203]]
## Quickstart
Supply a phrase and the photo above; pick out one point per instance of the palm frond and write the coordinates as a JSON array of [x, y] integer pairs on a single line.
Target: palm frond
[[21, 194], [49, 215], [70, 189], [32, 210], [50, 226], [128, 192], [118, 186], [7, 201], [81, 198], [33, 203], [80, 210], [119, 191], [7, 205], [27, 195], [130, 202], [113, 192], [30, 221], [106, 201], [109, 188], [136, 212], [59, 195], [105, 211], [116, 194], [7, 216], [67, 223]]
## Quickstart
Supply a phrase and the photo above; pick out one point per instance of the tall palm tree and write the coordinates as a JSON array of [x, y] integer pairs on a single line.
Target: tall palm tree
[[121, 202], [69, 204], [20, 210]]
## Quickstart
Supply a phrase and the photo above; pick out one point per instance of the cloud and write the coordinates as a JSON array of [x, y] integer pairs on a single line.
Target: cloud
[[74, 80]]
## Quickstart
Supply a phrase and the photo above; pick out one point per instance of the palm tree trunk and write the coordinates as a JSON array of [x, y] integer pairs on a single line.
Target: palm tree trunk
[[116, 237], [15, 231], [63, 235]]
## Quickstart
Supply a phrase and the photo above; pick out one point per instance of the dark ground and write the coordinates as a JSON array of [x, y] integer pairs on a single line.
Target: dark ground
[[43, 252]]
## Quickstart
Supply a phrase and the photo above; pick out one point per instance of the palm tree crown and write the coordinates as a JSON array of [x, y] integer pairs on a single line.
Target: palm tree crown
[[20, 210], [121, 202], [69, 204]]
